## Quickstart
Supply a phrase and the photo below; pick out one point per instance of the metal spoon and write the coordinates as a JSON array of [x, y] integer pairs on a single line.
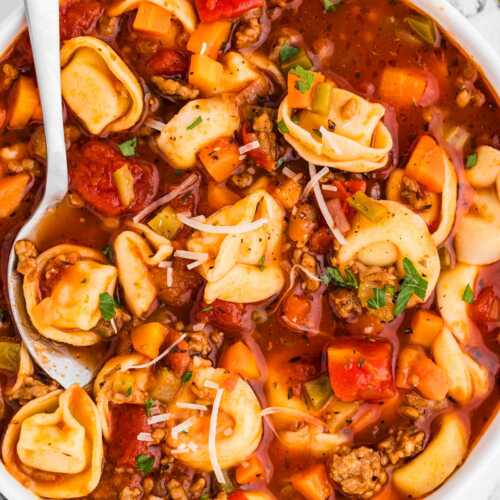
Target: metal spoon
[[65, 364]]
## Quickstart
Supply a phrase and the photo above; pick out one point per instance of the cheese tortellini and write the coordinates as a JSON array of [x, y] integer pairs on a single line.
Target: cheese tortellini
[[196, 125], [239, 411], [468, 379], [478, 234], [243, 268], [99, 87], [53, 445], [134, 257], [402, 233], [182, 9], [70, 311], [359, 141]]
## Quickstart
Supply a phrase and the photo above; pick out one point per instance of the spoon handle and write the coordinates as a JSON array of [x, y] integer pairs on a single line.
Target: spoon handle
[[43, 25]]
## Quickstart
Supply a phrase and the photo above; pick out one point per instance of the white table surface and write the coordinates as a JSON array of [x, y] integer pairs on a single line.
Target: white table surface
[[485, 15]]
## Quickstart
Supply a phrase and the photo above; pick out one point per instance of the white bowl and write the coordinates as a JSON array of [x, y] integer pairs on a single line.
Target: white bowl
[[466, 482]]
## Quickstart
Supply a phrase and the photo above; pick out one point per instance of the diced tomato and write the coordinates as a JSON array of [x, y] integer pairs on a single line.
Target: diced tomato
[[127, 421], [91, 176], [178, 360], [228, 316], [168, 62], [486, 307], [361, 369], [345, 189], [215, 10], [79, 17], [262, 158], [301, 312]]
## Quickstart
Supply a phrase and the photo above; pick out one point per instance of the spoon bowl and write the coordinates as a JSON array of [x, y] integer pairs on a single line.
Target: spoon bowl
[[66, 364]]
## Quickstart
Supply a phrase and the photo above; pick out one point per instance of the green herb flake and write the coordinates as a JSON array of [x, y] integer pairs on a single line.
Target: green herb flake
[[282, 127], [288, 52], [128, 148], [197, 122], [333, 276], [305, 79], [262, 264], [144, 463], [471, 161], [281, 161], [107, 306], [205, 496], [378, 300], [186, 377], [413, 284], [128, 392], [149, 406], [331, 5], [108, 253], [468, 295], [207, 309]]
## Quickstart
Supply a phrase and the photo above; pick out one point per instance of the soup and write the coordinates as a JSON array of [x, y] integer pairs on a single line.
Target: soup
[[283, 223]]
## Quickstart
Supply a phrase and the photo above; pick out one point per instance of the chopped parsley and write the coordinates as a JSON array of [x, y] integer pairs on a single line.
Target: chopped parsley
[[281, 161], [144, 463], [413, 284], [107, 306], [195, 123], [206, 309], [128, 392], [333, 276], [305, 79], [471, 161], [108, 252], [282, 127], [186, 377], [331, 5], [288, 52], [128, 148], [468, 295], [149, 406], [378, 300], [262, 264]]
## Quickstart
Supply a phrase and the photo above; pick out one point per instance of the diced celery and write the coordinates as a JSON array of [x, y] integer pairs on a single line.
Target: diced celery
[[301, 59], [124, 182], [165, 386], [322, 98], [371, 209], [423, 27], [165, 222], [318, 392], [9, 355], [312, 122]]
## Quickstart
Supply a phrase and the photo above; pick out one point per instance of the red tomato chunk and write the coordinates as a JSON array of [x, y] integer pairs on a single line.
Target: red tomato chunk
[[361, 369], [486, 308], [168, 62], [79, 18], [215, 10], [127, 422], [91, 176]]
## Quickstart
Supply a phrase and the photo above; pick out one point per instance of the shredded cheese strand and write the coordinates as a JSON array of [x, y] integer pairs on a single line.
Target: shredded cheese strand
[[154, 124], [325, 134], [158, 358], [249, 147], [314, 181], [185, 254], [158, 419], [182, 427], [181, 189], [212, 434], [324, 209], [191, 406], [145, 437], [272, 410], [208, 228]]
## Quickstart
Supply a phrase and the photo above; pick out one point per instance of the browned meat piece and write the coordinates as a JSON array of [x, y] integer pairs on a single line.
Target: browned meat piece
[[227, 316], [31, 388], [184, 284], [175, 89], [249, 30], [359, 472], [345, 304], [415, 406], [303, 223], [414, 195], [263, 127], [402, 443], [26, 254], [8, 74]]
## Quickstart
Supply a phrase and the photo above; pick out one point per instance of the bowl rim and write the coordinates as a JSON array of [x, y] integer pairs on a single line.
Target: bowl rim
[[468, 39]]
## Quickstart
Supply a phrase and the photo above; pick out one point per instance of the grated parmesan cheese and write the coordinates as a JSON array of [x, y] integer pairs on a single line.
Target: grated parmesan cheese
[[323, 208], [182, 427], [191, 406], [210, 384], [249, 147], [158, 419], [154, 124], [158, 358], [170, 277], [146, 437], [243, 228], [314, 181]]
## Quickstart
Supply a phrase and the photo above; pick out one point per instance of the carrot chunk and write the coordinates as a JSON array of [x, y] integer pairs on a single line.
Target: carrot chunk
[[402, 87], [220, 196], [425, 326], [313, 483], [220, 158], [13, 188], [151, 18], [208, 38], [23, 103], [426, 164], [249, 471], [301, 87], [238, 358]]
